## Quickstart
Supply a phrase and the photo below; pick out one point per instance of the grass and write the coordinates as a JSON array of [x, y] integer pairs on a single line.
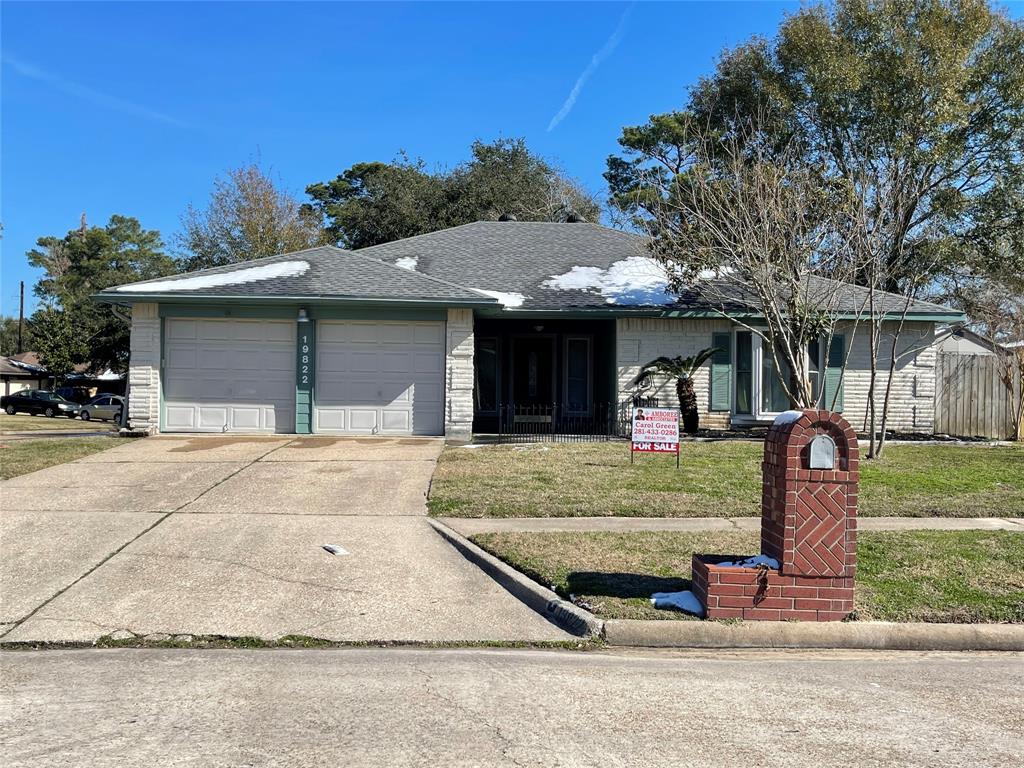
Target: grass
[[19, 457], [721, 479], [934, 576], [22, 422]]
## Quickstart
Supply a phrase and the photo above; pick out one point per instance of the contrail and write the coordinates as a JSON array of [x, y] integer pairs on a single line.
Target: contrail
[[26, 69], [595, 61]]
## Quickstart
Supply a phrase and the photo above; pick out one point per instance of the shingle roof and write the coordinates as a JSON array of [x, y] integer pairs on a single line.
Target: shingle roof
[[567, 266], [517, 257], [323, 272]]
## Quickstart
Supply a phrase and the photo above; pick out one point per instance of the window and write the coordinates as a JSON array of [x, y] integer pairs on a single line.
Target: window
[[577, 373], [744, 373], [486, 366]]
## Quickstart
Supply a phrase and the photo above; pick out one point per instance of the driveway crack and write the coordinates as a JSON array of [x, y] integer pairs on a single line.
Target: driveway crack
[[14, 625]]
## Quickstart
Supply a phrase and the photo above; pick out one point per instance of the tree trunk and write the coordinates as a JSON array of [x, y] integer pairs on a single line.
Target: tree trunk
[[688, 404]]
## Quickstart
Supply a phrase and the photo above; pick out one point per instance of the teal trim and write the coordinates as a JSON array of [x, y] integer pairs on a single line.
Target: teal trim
[[376, 313], [720, 383], [291, 301], [244, 312], [305, 376]]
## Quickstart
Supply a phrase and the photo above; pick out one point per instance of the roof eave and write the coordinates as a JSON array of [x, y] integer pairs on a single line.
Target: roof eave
[[192, 298]]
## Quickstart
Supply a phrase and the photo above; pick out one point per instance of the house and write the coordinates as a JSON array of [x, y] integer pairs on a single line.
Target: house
[[434, 334], [22, 371]]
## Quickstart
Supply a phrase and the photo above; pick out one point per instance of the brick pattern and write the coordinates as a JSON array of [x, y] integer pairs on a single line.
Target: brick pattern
[[747, 593], [459, 350], [144, 368], [808, 524]]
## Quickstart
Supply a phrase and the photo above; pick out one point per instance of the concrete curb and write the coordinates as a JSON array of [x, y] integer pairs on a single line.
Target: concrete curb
[[868, 635], [569, 617]]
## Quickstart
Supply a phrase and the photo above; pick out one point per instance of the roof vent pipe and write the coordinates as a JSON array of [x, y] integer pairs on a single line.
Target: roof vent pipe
[[507, 217], [575, 218]]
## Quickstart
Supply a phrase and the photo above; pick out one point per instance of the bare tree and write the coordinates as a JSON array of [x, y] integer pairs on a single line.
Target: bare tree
[[762, 237], [248, 217]]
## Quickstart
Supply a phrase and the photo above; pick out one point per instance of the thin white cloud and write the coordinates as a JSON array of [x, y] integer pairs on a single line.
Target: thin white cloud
[[31, 71], [595, 61]]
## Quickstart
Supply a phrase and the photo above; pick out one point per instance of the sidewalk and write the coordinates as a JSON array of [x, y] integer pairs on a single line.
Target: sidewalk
[[474, 526]]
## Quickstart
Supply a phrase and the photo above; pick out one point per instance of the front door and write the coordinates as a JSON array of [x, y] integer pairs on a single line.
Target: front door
[[533, 370]]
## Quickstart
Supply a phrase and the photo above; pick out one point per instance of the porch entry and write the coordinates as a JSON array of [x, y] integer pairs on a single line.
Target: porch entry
[[555, 374]]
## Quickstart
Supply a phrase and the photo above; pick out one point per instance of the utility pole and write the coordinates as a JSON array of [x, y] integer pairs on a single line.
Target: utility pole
[[21, 315]]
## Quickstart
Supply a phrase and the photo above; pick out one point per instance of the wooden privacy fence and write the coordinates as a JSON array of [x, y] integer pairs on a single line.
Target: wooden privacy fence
[[971, 399]]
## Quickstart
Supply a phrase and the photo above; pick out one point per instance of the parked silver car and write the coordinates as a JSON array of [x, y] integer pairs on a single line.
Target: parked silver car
[[107, 407]]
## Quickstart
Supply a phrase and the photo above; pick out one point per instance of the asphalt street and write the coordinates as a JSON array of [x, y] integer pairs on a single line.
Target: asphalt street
[[503, 707]]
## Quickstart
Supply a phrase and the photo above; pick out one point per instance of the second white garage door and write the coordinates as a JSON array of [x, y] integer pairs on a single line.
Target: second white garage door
[[384, 378]]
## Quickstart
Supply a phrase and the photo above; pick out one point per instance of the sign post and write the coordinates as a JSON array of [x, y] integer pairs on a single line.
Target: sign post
[[655, 430]]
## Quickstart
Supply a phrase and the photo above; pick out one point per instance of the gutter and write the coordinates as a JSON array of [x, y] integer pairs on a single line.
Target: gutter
[[128, 299]]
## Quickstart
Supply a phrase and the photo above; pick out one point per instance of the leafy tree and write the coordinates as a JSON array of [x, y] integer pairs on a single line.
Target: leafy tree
[[60, 343], [84, 261], [248, 217], [373, 203], [914, 106], [9, 337], [682, 369]]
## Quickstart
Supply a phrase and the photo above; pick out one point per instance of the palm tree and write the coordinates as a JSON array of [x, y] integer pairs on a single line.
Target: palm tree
[[682, 370]]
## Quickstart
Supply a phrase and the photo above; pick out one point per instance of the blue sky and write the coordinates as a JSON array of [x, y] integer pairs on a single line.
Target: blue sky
[[135, 108]]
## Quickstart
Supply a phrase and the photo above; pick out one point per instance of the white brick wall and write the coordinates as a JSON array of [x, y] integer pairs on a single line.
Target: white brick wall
[[458, 421], [640, 340], [912, 407], [913, 394], [144, 368]]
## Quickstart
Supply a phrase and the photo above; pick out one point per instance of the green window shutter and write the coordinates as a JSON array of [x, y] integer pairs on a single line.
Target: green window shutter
[[721, 372], [834, 371]]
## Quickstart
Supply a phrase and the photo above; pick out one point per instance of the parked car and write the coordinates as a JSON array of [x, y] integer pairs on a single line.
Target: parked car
[[106, 407], [36, 401], [78, 395]]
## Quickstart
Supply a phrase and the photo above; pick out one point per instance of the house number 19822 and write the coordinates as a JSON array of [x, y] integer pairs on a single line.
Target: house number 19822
[[304, 361]]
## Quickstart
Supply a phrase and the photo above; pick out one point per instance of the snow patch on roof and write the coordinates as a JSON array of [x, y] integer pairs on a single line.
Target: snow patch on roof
[[239, 276], [408, 262], [509, 300], [635, 281]]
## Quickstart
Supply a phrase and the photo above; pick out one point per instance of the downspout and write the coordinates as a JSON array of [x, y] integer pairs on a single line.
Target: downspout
[[120, 315]]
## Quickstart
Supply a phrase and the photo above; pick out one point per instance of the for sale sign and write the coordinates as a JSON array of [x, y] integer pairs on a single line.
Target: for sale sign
[[655, 430]]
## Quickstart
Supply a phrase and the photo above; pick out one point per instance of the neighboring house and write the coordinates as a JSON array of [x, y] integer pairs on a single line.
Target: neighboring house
[[963, 341], [22, 371], [433, 334]]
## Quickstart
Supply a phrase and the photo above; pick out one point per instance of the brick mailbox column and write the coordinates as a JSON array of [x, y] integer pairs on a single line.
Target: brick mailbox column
[[808, 524]]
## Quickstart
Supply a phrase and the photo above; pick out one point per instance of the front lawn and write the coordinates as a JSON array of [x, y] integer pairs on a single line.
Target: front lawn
[[719, 479], [944, 576], [19, 457], [22, 422]]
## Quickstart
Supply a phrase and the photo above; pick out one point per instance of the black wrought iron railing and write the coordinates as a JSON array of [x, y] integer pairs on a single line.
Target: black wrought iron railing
[[566, 424]]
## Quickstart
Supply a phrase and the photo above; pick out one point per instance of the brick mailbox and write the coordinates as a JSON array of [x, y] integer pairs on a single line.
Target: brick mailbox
[[808, 525]]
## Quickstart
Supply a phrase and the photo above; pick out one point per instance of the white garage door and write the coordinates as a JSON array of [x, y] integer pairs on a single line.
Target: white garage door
[[383, 378], [229, 375]]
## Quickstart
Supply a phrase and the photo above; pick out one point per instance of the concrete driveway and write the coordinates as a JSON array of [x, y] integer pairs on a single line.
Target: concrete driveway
[[225, 536]]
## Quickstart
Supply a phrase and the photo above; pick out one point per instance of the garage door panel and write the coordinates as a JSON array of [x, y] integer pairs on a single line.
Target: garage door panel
[[229, 375], [385, 377], [214, 330], [428, 334], [395, 362], [426, 363], [180, 329], [179, 357]]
